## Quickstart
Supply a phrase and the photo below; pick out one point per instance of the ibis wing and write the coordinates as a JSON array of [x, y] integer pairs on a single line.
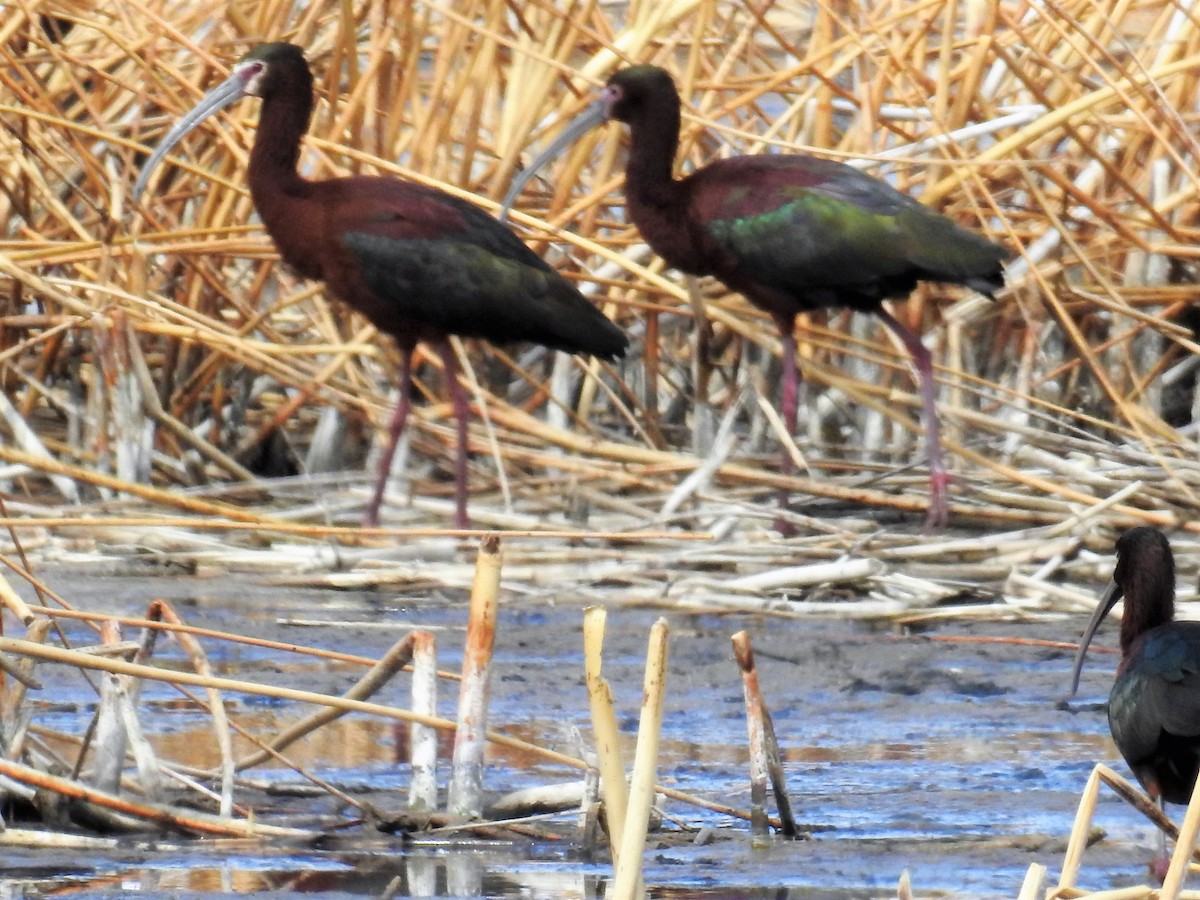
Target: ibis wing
[[403, 211], [803, 225], [418, 260], [1158, 690]]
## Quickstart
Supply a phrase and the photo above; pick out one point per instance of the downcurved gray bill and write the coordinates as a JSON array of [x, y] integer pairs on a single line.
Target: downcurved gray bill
[[595, 114], [1107, 601], [229, 90]]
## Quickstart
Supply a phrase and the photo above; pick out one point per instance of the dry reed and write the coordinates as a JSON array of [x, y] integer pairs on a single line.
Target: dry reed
[[149, 348]]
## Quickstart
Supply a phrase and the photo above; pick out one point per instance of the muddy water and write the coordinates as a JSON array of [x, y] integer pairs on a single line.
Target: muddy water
[[954, 761]]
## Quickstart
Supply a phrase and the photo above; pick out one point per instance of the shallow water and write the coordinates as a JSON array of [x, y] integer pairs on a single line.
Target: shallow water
[[954, 761]]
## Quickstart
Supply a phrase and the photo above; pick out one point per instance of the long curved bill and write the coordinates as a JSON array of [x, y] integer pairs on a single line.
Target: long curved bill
[[596, 114], [1107, 601], [231, 89]]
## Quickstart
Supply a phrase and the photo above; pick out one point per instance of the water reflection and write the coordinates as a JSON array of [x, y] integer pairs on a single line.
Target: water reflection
[[460, 873]]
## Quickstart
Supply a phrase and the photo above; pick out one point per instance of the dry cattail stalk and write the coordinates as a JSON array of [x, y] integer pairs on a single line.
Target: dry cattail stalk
[[1062, 132]]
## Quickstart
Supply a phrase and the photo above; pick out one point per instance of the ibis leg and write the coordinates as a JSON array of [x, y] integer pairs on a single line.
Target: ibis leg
[[462, 410], [788, 399], [399, 419], [790, 390], [939, 511], [1160, 865]]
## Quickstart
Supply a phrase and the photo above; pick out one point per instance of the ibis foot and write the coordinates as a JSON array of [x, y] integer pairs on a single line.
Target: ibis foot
[[1158, 868]]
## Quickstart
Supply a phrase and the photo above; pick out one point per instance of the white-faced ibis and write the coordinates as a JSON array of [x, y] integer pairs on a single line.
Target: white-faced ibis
[[790, 232], [1154, 706], [418, 263]]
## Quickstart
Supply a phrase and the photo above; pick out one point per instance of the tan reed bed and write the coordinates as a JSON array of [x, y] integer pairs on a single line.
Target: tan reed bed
[[150, 348]]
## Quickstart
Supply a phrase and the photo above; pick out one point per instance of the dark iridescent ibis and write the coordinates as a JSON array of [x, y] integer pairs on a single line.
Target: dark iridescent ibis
[[792, 233], [420, 264], [1154, 705]]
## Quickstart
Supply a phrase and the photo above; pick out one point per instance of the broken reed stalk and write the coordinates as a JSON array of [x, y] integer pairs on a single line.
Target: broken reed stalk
[[1185, 846], [645, 761], [1078, 840], [348, 534], [190, 821], [18, 674], [756, 736], [161, 610], [423, 740], [12, 601], [29, 442], [591, 807], [87, 661], [253, 739], [157, 496], [21, 671], [394, 660], [109, 737], [178, 627], [470, 739], [1031, 887], [117, 729], [765, 759], [52, 840], [605, 733], [15, 723]]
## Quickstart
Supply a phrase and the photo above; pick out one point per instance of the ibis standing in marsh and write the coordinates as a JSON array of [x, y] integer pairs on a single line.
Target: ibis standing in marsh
[[792, 233], [420, 264], [1154, 705]]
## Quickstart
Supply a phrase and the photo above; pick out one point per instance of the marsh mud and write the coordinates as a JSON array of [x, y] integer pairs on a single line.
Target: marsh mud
[[953, 760]]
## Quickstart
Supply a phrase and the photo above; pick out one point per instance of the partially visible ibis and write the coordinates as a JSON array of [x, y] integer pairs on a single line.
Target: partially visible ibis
[[790, 232], [1154, 705], [420, 264]]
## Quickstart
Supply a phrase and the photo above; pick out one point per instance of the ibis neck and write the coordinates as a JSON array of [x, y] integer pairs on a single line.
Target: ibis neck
[[281, 125], [1141, 616], [1146, 573], [654, 139]]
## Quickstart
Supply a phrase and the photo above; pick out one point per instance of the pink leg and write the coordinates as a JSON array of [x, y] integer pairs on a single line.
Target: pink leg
[[939, 511], [399, 418], [787, 334], [1161, 864], [462, 411]]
